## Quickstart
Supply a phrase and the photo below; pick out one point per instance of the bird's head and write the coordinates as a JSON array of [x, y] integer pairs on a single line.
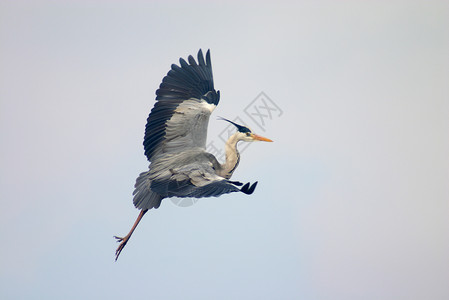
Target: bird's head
[[245, 134]]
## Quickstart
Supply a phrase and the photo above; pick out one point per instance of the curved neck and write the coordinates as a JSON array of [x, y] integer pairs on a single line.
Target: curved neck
[[232, 157]]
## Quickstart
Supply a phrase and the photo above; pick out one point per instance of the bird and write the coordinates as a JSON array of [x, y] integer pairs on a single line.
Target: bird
[[175, 143]]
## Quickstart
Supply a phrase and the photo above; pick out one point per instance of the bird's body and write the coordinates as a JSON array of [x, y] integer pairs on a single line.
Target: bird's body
[[175, 142]]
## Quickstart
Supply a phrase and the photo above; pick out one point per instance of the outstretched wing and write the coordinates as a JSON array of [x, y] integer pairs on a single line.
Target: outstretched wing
[[186, 174], [185, 100], [192, 180]]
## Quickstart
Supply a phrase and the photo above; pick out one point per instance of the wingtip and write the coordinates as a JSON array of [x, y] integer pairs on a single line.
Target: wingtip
[[201, 61], [183, 62], [208, 61], [192, 61]]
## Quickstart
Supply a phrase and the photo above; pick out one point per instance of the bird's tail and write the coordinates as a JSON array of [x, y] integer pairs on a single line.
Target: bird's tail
[[144, 197]]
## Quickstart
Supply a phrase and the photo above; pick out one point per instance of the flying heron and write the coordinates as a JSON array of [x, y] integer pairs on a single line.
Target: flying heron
[[175, 143]]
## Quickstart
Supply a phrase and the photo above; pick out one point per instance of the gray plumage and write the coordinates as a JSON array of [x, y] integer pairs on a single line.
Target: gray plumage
[[175, 142], [175, 138], [191, 173]]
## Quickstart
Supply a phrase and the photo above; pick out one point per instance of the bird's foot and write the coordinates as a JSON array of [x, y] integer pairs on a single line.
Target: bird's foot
[[247, 189], [122, 241]]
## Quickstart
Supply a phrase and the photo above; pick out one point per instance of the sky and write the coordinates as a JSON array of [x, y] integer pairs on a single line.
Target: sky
[[353, 195]]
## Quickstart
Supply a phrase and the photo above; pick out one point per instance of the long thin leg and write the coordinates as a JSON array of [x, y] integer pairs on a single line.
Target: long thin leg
[[124, 240]]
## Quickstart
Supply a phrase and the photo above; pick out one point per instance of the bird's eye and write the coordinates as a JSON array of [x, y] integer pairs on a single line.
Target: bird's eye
[[248, 134]]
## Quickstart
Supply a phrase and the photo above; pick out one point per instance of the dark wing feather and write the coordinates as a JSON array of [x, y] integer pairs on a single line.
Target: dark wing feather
[[185, 100], [178, 186], [213, 189], [188, 174]]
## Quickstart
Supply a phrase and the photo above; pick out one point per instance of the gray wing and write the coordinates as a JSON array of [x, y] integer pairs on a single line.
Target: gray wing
[[150, 189], [185, 100], [188, 174]]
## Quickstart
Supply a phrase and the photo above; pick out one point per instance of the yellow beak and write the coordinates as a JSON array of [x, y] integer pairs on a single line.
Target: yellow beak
[[260, 138]]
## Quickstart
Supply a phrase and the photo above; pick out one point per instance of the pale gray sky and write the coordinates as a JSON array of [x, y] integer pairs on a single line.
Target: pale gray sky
[[353, 195]]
